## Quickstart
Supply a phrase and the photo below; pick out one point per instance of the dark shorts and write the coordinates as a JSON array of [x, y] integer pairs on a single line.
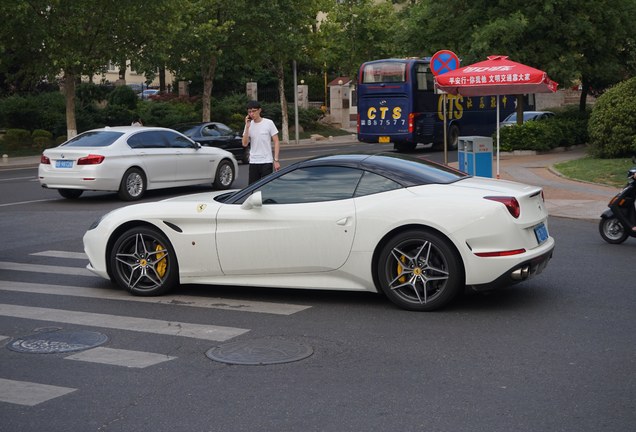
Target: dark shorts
[[258, 171]]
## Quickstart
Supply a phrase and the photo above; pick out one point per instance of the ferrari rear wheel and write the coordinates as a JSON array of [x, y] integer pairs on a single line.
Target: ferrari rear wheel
[[419, 270], [143, 262]]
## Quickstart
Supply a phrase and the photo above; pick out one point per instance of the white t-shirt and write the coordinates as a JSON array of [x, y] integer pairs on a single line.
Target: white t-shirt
[[261, 134]]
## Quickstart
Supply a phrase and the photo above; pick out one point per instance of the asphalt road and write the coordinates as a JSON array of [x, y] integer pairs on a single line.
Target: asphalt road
[[556, 353]]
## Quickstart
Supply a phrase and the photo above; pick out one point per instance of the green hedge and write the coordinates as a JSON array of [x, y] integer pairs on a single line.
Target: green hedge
[[566, 129], [612, 125]]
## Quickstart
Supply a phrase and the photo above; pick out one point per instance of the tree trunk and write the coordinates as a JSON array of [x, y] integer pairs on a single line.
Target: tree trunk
[[280, 73], [207, 71], [162, 79], [69, 96], [519, 109]]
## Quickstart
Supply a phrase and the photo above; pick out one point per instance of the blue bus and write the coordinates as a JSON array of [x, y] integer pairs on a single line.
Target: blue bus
[[397, 104]]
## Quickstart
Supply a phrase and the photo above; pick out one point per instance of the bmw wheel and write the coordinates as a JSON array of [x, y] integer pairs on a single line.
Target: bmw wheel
[[612, 230], [224, 175], [143, 262], [70, 193], [133, 185], [419, 270]]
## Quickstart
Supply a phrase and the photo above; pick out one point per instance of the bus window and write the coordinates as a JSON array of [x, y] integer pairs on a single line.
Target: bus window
[[384, 72], [424, 77]]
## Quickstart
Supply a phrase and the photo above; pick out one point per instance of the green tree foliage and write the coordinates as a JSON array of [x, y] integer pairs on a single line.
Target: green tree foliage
[[77, 38], [592, 42], [612, 127]]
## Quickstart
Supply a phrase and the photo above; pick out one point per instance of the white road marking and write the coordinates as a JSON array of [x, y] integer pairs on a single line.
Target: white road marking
[[171, 328], [26, 202], [62, 254], [39, 268], [120, 357], [170, 299], [28, 393]]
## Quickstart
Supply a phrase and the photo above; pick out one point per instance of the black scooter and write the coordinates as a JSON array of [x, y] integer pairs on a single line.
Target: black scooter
[[617, 221]]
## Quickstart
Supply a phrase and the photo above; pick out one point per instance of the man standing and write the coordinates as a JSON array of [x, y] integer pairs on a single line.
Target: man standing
[[259, 133]]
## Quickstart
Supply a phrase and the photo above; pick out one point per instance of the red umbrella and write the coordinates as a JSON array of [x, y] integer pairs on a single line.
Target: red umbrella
[[495, 76]]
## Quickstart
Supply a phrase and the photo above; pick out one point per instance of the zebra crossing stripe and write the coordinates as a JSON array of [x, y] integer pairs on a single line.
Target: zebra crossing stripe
[[39, 268], [172, 328], [62, 254], [170, 299], [29, 393]]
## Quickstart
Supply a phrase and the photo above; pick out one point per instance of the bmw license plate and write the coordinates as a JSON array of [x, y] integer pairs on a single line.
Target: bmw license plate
[[63, 164], [384, 140], [541, 232]]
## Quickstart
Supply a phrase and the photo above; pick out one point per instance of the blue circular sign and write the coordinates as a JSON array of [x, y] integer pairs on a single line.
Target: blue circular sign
[[444, 61]]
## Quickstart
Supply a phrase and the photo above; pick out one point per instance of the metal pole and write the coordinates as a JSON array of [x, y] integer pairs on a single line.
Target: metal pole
[[497, 136], [296, 104], [445, 132]]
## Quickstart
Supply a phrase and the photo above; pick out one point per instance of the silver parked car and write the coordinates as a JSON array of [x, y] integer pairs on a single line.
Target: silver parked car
[[130, 160], [511, 120]]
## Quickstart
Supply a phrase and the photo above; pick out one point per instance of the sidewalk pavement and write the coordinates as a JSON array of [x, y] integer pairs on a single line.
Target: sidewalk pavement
[[564, 197]]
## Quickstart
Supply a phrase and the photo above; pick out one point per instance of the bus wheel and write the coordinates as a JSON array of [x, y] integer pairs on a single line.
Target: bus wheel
[[453, 137], [405, 146]]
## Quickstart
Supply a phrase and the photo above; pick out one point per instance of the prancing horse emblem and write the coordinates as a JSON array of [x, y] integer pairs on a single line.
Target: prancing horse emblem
[[201, 207]]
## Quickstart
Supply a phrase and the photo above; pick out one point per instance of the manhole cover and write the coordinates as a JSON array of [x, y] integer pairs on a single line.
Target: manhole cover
[[260, 352], [58, 341]]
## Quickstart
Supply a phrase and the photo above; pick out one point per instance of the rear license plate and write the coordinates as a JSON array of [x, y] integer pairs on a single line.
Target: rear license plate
[[384, 139], [541, 232], [63, 164]]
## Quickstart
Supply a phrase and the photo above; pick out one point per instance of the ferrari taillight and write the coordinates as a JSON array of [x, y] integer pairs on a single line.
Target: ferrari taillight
[[511, 204], [91, 159]]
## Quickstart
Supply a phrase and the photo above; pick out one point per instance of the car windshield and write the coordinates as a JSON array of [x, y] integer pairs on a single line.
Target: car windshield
[[94, 139]]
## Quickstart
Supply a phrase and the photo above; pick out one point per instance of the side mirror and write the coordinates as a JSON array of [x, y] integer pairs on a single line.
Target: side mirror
[[254, 201]]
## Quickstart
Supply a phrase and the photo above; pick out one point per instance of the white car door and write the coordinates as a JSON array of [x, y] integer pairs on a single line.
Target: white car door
[[304, 225], [194, 164], [155, 157]]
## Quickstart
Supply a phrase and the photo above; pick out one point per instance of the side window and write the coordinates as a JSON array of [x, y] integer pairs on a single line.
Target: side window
[[177, 141], [424, 77], [225, 131], [313, 184], [373, 183], [150, 139], [210, 131]]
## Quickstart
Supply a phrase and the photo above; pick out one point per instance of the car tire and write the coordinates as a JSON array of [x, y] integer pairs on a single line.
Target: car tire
[[143, 262], [70, 193], [420, 270], [612, 230], [224, 175], [133, 185]]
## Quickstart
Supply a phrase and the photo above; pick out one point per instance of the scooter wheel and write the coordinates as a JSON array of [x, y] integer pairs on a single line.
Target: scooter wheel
[[612, 230]]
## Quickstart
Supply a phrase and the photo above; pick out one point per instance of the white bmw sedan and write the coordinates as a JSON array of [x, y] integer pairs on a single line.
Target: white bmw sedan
[[417, 231], [131, 160]]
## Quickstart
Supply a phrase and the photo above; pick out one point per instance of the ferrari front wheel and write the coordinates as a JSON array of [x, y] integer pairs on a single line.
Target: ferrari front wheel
[[419, 270], [143, 262]]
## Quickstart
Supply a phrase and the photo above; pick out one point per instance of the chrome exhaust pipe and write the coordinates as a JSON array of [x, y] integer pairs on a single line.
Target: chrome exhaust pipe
[[521, 273]]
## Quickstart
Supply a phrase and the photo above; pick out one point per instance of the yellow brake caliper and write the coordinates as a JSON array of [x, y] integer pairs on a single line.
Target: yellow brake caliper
[[399, 269], [162, 263]]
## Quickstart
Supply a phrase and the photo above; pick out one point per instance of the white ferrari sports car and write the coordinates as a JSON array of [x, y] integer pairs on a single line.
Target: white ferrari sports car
[[415, 230]]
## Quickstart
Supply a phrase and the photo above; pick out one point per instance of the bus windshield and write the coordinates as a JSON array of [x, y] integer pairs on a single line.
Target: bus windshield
[[384, 72]]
